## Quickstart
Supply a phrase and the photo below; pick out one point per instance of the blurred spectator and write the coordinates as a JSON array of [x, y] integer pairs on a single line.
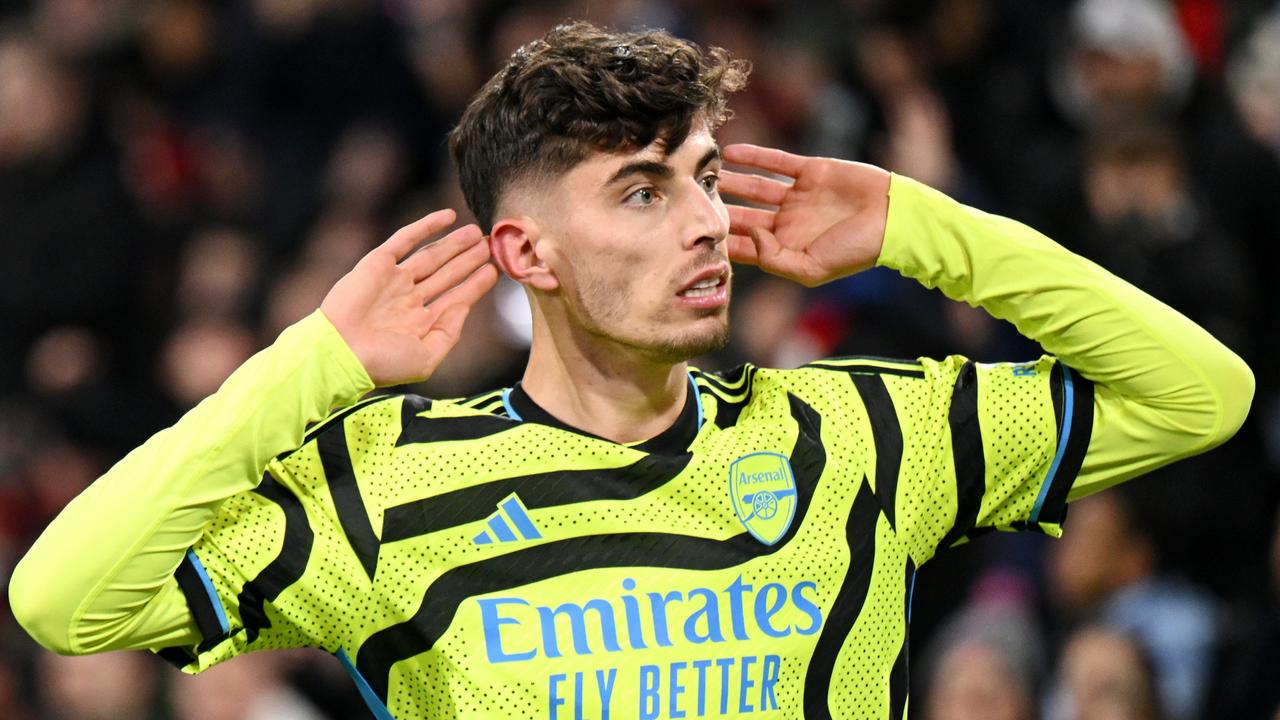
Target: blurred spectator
[[216, 275], [1250, 685], [1148, 225], [1255, 82], [14, 698], [182, 179], [251, 688], [1106, 570], [73, 245], [1104, 674], [108, 686], [986, 662], [199, 356], [1129, 59], [1126, 62]]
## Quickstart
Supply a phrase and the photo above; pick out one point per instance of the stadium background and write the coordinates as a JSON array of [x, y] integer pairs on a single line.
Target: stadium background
[[181, 179]]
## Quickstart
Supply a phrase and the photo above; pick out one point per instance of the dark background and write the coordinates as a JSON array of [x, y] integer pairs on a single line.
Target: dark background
[[181, 179]]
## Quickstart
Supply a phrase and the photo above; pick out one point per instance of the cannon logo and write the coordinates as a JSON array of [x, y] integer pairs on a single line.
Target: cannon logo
[[763, 489]]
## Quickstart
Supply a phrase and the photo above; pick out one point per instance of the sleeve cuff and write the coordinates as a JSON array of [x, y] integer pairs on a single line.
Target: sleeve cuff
[[1073, 405], [344, 368]]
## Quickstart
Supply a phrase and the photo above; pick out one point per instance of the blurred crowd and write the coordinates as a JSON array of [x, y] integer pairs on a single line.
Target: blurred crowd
[[181, 179]]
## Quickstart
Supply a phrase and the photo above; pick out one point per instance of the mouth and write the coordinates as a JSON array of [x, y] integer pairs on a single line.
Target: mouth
[[708, 288]]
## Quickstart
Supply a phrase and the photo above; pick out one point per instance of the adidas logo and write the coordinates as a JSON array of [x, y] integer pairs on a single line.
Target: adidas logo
[[513, 510]]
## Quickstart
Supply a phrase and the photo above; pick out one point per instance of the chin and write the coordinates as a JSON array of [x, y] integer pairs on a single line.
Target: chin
[[694, 343]]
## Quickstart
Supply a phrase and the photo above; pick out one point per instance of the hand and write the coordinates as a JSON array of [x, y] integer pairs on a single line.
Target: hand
[[400, 311], [829, 222]]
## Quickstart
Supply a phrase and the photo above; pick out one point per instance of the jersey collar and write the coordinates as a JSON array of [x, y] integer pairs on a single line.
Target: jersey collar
[[672, 441]]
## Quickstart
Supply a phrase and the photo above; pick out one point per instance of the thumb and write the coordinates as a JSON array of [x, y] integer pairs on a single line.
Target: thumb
[[767, 246], [773, 257], [780, 260], [443, 335]]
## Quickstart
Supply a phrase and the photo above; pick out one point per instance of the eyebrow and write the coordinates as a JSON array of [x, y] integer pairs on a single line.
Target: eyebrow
[[656, 169]]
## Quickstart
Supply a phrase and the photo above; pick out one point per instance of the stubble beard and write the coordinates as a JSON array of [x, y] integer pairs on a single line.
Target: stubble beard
[[601, 310]]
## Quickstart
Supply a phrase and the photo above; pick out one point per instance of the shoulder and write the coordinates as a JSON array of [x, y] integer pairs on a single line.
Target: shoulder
[[393, 418], [746, 380]]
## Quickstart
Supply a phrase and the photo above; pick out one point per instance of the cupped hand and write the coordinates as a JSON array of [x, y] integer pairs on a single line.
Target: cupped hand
[[826, 221], [401, 311]]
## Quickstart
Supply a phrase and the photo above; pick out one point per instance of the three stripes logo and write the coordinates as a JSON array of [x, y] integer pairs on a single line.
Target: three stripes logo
[[511, 512]]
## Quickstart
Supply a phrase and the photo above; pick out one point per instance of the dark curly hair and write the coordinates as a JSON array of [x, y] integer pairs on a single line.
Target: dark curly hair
[[581, 89]]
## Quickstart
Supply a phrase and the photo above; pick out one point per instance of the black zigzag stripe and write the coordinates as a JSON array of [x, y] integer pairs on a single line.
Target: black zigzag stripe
[[316, 429], [868, 370], [887, 434], [549, 489], [287, 567], [869, 358], [439, 429], [728, 411], [410, 406], [966, 450], [900, 675], [1054, 509], [483, 398], [492, 408], [175, 656], [335, 458], [730, 382], [860, 534], [441, 600], [199, 603]]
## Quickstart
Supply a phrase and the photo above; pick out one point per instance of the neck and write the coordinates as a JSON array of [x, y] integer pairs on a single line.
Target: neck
[[601, 387]]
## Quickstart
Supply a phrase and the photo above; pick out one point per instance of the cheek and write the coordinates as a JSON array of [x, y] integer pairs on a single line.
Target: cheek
[[621, 267]]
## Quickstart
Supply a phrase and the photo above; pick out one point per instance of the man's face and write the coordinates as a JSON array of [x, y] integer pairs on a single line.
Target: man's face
[[637, 242]]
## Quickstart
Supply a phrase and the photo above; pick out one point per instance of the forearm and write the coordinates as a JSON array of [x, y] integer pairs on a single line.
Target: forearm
[[97, 575], [1164, 387]]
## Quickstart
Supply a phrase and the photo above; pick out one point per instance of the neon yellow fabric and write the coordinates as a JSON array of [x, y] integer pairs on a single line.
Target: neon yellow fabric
[[1166, 388], [101, 575], [470, 564]]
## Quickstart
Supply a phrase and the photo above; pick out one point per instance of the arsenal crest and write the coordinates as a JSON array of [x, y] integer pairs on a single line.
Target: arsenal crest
[[763, 489]]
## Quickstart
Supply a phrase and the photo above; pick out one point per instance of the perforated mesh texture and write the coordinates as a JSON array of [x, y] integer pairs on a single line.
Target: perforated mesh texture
[[335, 604]]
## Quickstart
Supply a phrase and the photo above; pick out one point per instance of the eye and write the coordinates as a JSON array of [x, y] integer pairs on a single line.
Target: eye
[[642, 197], [709, 182]]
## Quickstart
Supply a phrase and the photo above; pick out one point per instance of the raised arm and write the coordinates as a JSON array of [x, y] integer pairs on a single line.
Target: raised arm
[[1164, 387], [100, 577]]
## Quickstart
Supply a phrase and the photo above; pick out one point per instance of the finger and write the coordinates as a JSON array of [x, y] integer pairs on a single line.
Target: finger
[[771, 256], [767, 247], [754, 188], [742, 219], [456, 270], [427, 260], [415, 233], [770, 159], [442, 336], [467, 292], [742, 250]]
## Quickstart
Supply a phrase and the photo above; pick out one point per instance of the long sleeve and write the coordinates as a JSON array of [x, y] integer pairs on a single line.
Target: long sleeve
[[1164, 388], [100, 577]]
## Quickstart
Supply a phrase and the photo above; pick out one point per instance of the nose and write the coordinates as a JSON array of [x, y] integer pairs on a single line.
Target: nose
[[707, 217]]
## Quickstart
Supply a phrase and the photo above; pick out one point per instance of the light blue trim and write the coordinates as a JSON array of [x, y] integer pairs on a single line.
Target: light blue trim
[[375, 704], [506, 403], [733, 496], [911, 594], [1068, 409], [516, 511], [500, 529], [482, 539], [697, 398], [213, 594]]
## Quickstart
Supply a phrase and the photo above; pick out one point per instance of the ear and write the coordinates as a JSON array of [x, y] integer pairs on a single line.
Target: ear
[[514, 243]]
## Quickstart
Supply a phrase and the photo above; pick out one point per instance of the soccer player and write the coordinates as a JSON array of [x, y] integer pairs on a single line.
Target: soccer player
[[621, 535]]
